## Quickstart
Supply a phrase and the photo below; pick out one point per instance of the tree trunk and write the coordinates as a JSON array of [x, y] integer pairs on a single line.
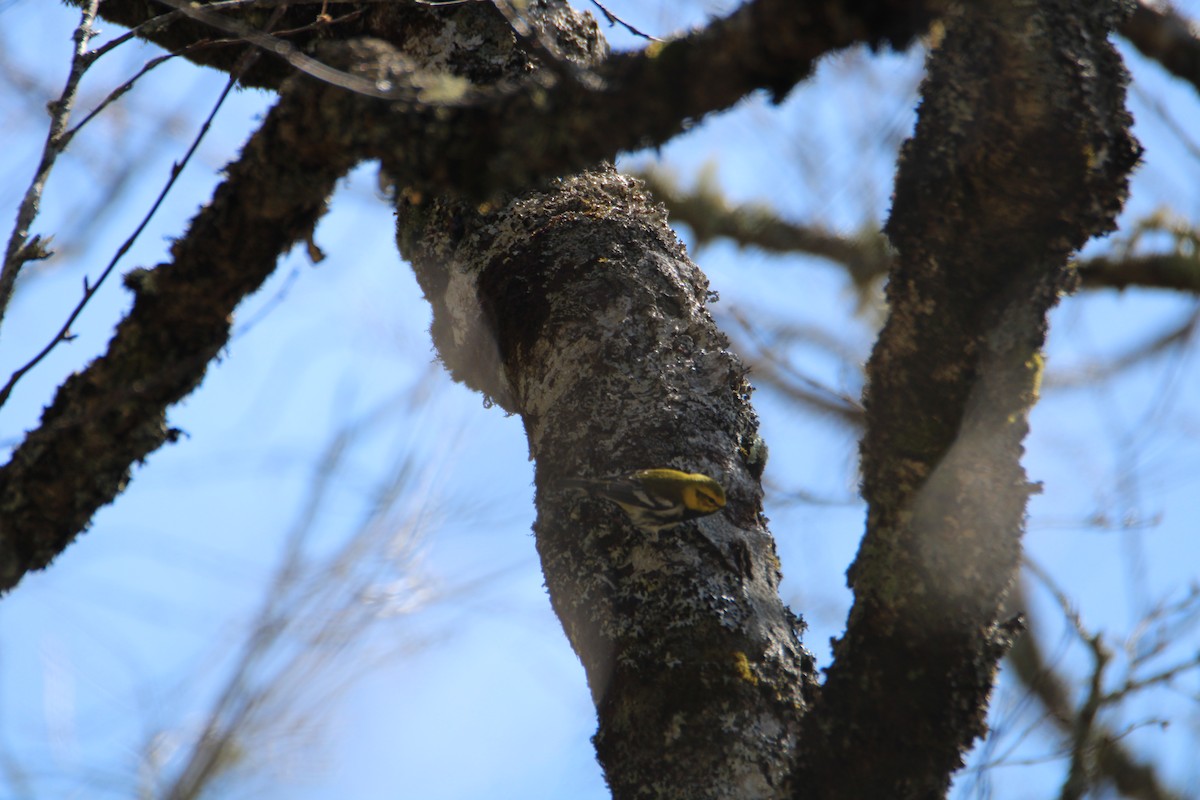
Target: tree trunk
[[578, 309], [573, 305]]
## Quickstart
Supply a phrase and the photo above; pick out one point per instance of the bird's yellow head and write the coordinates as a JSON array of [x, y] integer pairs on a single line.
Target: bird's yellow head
[[704, 495]]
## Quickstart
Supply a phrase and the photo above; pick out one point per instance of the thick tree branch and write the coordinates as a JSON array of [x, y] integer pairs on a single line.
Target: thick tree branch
[[515, 134], [632, 101], [1167, 37], [112, 414], [577, 308], [763, 44], [1021, 153], [592, 327], [1175, 271]]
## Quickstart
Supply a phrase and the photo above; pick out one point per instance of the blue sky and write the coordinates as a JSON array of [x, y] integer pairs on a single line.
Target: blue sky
[[125, 639]]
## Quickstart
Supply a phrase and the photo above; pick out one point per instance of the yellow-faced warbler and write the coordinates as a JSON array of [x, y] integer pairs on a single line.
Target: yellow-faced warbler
[[656, 499]]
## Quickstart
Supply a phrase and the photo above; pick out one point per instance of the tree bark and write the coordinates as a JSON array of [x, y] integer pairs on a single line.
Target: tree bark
[[573, 305], [1021, 153], [577, 309]]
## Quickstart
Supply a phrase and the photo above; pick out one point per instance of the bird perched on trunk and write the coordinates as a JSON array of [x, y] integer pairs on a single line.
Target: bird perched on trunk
[[656, 499]]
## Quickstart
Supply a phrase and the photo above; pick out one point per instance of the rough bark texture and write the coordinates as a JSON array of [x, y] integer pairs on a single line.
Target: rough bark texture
[[577, 308], [594, 330], [1021, 153], [509, 129]]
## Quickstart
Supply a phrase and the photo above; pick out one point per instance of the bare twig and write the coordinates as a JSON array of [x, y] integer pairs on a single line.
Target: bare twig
[[117, 94], [1163, 676], [1080, 776], [613, 19], [1089, 375], [1111, 761], [1070, 612], [120, 91], [865, 257], [290, 53], [21, 248], [772, 368], [1164, 624], [146, 29], [1167, 119], [89, 288], [313, 611]]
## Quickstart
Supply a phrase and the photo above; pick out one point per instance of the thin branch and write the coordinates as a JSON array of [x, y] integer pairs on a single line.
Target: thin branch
[[1080, 774], [312, 612], [383, 90], [1164, 624], [89, 288], [111, 414], [1165, 675], [117, 94], [21, 248], [1131, 776], [1164, 117], [613, 19], [865, 257], [1161, 343], [770, 367], [1065, 604], [1175, 271]]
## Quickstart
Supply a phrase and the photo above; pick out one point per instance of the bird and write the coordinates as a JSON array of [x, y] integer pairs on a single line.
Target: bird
[[656, 499]]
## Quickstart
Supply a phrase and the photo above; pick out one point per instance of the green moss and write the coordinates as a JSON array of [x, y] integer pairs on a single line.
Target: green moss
[[744, 670]]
